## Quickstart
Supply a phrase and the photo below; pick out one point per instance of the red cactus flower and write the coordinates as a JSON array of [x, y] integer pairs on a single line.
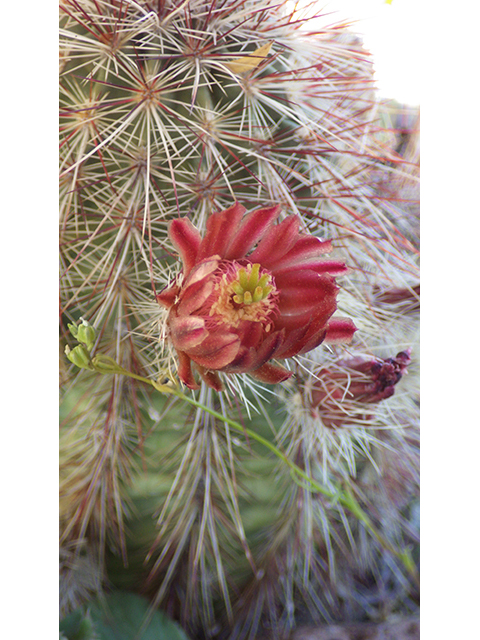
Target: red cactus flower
[[360, 381], [250, 291]]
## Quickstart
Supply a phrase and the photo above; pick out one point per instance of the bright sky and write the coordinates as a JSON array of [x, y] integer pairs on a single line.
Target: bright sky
[[392, 33]]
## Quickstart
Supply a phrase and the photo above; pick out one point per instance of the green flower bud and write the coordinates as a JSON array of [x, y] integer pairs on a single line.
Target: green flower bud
[[86, 334], [79, 356], [105, 364]]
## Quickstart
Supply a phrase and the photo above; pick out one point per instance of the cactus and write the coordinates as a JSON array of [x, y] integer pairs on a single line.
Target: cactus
[[181, 110]]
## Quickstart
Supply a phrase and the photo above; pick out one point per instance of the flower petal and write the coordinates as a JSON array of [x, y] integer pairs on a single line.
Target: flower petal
[[293, 342], [253, 227], [194, 296], [216, 350], [271, 373], [293, 322], [332, 267], [276, 242], [186, 239], [243, 361], [249, 359], [202, 270], [185, 370], [222, 226], [168, 296], [306, 249], [269, 348], [340, 330], [312, 339], [211, 378], [250, 333], [304, 290], [187, 331]]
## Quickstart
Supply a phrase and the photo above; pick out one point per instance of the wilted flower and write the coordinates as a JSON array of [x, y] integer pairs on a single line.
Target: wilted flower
[[338, 394], [250, 291], [407, 297]]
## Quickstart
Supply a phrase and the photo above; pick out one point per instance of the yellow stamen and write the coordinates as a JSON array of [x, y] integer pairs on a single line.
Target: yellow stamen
[[243, 278], [258, 294], [263, 280], [247, 297], [253, 280], [237, 287]]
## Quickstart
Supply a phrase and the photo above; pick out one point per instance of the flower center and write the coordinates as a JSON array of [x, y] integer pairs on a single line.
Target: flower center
[[243, 293]]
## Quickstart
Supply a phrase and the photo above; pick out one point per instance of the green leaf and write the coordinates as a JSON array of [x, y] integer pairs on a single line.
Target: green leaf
[[119, 616]]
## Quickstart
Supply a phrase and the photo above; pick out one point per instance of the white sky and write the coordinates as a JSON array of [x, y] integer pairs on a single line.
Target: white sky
[[392, 33]]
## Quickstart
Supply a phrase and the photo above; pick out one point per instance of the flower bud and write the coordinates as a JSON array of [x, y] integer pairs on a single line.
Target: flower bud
[[105, 364], [79, 356], [86, 334]]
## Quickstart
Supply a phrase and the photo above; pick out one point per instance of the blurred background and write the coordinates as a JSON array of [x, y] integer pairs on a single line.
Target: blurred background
[[385, 26]]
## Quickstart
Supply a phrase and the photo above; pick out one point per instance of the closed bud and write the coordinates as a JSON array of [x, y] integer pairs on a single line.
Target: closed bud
[[86, 334], [105, 364], [79, 356]]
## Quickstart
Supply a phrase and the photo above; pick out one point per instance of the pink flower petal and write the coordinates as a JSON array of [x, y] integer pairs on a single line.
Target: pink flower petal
[[304, 290], [185, 370], [243, 362], [187, 331], [312, 340], [276, 242], [311, 333], [216, 351], [292, 322], [340, 330], [269, 347], [168, 296], [200, 272], [211, 378], [187, 240], [252, 228], [254, 357], [306, 249], [293, 341], [221, 228], [271, 373], [332, 267], [250, 333], [194, 296]]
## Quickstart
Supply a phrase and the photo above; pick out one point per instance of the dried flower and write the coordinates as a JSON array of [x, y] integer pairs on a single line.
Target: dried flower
[[236, 307], [337, 394], [407, 297]]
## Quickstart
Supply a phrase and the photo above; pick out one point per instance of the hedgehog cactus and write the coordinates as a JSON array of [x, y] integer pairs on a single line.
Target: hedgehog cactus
[[171, 113]]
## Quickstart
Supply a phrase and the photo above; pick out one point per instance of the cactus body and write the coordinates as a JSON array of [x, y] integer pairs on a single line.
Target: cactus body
[[171, 110]]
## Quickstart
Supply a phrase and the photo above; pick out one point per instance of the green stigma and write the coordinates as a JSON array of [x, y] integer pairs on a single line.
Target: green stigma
[[249, 287]]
